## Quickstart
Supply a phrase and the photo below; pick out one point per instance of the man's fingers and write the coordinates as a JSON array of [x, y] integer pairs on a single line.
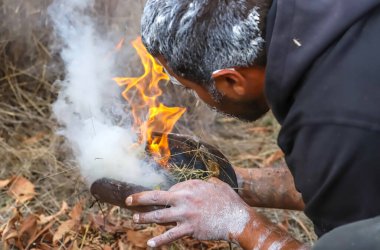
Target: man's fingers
[[149, 198], [214, 180], [160, 216], [169, 236]]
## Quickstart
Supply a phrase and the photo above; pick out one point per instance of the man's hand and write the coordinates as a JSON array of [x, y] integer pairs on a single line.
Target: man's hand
[[203, 210]]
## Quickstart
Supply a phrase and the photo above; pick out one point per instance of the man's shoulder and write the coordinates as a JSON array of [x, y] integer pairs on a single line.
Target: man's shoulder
[[343, 84], [316, 48]]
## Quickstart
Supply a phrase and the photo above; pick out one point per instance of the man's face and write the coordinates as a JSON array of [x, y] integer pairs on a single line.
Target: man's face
[[246, 102]]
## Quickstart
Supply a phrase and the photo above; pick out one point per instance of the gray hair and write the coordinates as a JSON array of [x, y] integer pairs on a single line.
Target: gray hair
[[198, 37]]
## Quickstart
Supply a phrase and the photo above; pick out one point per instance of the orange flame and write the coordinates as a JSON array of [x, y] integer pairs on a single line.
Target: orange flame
[[142, 95]]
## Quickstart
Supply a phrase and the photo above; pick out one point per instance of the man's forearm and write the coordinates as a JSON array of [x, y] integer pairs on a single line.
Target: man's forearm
[[259, 233], [271, 187]]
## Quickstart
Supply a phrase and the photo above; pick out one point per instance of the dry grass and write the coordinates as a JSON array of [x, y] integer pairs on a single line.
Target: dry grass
[[29, 147]]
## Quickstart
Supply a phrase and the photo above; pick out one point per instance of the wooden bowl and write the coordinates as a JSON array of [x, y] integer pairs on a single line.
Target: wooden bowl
[[190, 159]]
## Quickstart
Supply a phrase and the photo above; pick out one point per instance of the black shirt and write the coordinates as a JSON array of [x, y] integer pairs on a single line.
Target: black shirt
[[323, 85]]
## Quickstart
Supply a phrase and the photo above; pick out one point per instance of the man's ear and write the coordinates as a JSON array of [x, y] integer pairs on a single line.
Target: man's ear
[[230, 83]]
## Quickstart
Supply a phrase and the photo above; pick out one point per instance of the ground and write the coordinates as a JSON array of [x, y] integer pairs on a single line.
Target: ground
[[43, 200]]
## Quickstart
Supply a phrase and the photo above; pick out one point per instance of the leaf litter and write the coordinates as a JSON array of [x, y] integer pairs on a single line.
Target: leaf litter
[[75, 228]]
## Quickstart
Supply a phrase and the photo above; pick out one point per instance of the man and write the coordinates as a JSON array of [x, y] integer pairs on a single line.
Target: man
[[316, 65]]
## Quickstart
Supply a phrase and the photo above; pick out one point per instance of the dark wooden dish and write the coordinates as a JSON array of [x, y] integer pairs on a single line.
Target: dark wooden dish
[[187, 154]]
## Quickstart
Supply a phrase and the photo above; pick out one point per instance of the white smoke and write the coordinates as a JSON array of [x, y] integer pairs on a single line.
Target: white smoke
[[88, 106]]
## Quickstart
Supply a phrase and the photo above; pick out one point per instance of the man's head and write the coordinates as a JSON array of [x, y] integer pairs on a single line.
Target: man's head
[[214, 47]]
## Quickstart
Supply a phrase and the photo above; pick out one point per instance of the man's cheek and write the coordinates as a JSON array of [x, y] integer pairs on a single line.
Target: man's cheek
[[206, 98]]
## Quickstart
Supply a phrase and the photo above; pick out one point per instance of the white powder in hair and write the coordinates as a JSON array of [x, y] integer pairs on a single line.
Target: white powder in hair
[[252, 21], [160, 19], [230, 35], [192, 10], [243, 42]]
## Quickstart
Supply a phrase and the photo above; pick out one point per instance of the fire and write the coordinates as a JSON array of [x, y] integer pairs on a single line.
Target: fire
[[142, 95]]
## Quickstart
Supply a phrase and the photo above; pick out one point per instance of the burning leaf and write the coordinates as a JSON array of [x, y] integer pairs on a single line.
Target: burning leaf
[[21, 190], [63, 229]]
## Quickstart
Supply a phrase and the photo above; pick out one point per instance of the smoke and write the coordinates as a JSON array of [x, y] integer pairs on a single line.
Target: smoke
[[89, 107]]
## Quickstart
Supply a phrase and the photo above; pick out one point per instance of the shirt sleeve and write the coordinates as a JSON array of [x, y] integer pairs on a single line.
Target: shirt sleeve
[[337, 170], [359, 235]]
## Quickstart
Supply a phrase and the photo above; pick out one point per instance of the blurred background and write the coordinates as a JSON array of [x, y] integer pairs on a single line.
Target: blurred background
[[31, 152]]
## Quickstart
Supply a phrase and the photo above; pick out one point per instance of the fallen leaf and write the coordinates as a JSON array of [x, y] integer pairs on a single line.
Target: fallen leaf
[[44, 246], [10, 235], [76, 213], [138, 238], [28, 230], [63, 229], [21, 190], [43, 219], [158, 230], [106, 247], [98, 222], [10, 227], [74, 246], [2, 228], [4, 183], [122, 246], [44, 232]]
